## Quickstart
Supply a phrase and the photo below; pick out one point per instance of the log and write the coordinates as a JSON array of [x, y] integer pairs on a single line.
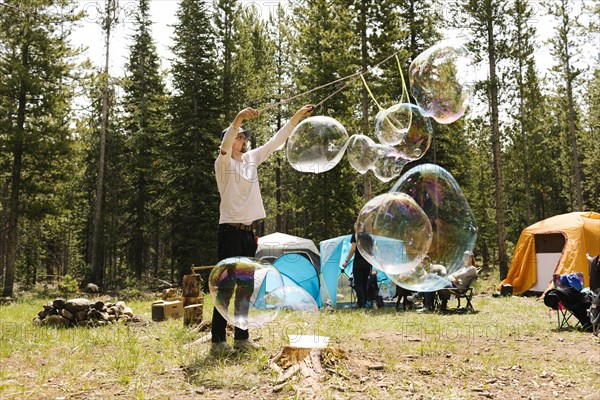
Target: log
[[192, 314], [191, 285], [188, 301]]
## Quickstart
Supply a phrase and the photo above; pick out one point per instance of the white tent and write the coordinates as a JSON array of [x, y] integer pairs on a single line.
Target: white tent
[[272, 246]]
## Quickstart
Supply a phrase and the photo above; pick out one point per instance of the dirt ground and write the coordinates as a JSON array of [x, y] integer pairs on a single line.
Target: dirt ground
[[407, 363], [468, 372]]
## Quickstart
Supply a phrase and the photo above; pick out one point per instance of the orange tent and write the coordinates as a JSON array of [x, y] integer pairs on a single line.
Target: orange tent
[[556, 245]]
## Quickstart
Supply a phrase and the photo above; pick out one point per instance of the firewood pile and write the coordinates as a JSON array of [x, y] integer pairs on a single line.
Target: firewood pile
[[83, 312]]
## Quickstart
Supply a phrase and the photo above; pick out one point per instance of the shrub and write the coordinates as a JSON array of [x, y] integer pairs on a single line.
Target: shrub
[[68, 286]]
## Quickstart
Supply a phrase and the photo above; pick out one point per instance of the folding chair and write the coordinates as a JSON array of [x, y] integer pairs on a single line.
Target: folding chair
[[564, 315], [466, 294]]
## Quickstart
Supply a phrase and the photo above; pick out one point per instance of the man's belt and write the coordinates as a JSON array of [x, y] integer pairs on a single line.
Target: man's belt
[[241, 227]]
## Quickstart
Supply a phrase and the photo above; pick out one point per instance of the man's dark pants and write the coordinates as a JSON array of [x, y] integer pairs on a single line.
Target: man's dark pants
[[361, 273], [232, 242]]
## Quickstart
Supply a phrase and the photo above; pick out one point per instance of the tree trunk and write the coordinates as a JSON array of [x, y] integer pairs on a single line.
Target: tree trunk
[[97, 273], [4, 201], [523, 137], [327, 214], [493, 94], [156, 244], [227, 68], [569, 79], [15, 187], [140, 241], [364, 95], [278, 167]]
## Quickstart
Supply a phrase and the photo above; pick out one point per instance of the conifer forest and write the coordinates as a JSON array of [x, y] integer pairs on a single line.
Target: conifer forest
[[107, 175]]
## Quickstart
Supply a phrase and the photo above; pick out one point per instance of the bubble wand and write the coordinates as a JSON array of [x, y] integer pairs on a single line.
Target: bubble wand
[[395, 123], [354, 75]]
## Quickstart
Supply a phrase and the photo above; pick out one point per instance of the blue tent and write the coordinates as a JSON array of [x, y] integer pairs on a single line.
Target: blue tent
[[297, 269], [333, 254], [319, 273]]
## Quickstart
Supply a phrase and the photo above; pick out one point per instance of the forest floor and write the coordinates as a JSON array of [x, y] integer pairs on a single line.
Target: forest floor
[[510, 348]]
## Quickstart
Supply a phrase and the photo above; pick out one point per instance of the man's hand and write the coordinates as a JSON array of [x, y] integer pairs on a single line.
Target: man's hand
[[247, 113], [301, 113]]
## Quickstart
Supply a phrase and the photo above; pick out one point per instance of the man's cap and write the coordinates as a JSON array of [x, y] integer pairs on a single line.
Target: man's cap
[[247, 132], [468, 253]]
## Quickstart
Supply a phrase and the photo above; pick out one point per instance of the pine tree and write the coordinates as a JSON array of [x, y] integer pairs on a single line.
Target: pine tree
[[97, 266], [326, 203], [35, 94], [522, 54], [225, 16], [145, 125], [591, 165], [193, 141], [564, 50], [278, 185], [487, 22], [258, 74]]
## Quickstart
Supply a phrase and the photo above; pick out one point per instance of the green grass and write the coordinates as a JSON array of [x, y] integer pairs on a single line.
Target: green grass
[[444, 356]]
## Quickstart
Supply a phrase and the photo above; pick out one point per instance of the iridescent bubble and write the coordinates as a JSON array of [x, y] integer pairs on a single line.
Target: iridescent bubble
[[392, 124], [316, 145], [441, 81], [298, 310], [244, 291], [413, 141], [454, 229], [344, 288], [416, 140], [364, 154], [359, 153], [388, 163], [394, 233]]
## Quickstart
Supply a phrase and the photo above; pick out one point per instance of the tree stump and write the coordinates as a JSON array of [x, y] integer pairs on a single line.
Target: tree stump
[[308, 362], [192, 314], [191, 285]]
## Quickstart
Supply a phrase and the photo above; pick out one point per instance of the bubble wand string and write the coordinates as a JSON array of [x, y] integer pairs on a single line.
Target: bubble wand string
[[333, 94], [395, 122], [354, 75], [404, 91]]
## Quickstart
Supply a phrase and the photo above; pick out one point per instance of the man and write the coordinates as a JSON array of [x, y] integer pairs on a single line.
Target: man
[[594, 271], [236, 171], [428, 297], [361, 268]]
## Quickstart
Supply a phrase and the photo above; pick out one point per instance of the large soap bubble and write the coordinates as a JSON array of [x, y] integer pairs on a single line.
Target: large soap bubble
[[388, 163], [317, 144], [391, 124], [364, 154], [244, 291], [441, 81], [404, 127], [359, 153], [393, 233], [422, 278], [298, 310], [453, 225]]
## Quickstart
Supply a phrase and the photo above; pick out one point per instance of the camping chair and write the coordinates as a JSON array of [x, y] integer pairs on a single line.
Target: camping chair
[[466, 294], [353, 296], [564, 315]]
